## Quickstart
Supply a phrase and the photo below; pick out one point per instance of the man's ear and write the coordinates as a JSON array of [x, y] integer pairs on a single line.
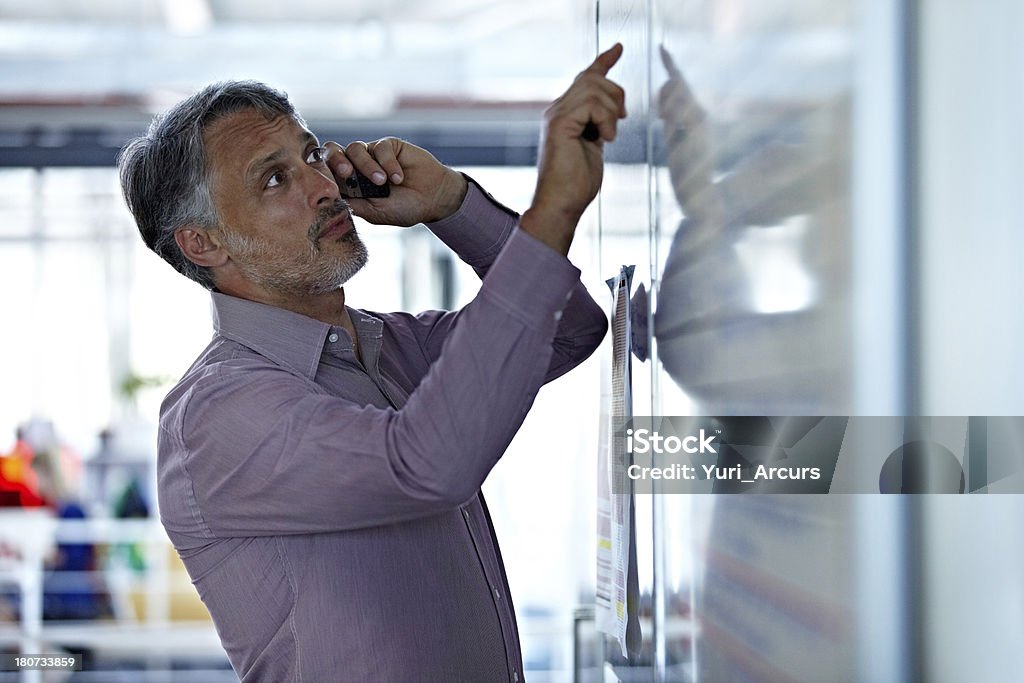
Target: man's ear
[[200, 247]]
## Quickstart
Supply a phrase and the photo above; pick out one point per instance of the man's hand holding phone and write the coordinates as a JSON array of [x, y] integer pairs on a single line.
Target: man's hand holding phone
[[420, 189]]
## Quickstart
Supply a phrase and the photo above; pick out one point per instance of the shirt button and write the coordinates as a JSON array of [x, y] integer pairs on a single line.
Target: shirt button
[[497, 594], [515, 675], [465, 513], [333, 338]]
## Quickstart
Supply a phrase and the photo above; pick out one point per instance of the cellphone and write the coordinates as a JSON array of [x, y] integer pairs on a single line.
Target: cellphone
[[358, 186]]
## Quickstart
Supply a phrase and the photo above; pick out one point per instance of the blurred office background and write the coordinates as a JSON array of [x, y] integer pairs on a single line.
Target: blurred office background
[[821, 196]]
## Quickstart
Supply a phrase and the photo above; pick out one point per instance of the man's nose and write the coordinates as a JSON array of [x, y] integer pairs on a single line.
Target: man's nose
[[321, 186]]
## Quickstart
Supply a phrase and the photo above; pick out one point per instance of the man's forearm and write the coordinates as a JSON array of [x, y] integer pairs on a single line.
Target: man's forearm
[[478, 228]]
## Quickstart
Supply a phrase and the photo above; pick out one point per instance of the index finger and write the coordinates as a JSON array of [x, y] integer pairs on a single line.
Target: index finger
[[337, 161], [606, 60], [384, 152], [670, 64]]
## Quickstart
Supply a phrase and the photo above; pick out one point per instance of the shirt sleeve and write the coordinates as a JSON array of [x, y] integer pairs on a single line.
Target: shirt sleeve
[[478, 229], [251, 449], [477, 232]]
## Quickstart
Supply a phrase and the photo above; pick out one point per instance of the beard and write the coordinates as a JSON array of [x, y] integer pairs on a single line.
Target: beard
[[299, 273]]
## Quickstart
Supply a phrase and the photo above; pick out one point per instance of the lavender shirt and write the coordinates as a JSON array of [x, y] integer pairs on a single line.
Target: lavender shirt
[[328, 510]]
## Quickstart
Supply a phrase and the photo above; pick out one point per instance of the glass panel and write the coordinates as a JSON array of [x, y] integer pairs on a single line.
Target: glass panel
[[735, 190], [752, 129]]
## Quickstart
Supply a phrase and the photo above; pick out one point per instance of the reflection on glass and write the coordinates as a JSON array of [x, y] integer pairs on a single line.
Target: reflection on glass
[[770, 259], [751, 296], [731, 187], [752, 318]]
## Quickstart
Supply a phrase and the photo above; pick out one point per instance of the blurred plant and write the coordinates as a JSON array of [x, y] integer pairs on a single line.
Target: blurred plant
[[133, 383]]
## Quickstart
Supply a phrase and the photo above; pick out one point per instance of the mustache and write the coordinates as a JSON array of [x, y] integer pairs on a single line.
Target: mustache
[[325, 216]]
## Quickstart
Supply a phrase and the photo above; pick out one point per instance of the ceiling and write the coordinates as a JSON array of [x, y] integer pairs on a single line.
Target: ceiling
[[356, 59]]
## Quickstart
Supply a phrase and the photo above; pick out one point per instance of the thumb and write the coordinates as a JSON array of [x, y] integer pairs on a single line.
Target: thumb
[[361, 207]]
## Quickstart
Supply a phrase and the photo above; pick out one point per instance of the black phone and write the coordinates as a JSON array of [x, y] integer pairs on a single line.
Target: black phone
[[358, 186]]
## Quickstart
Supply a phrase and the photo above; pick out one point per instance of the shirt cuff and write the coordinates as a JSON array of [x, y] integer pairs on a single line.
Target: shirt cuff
[[478, 229], [531, 280]]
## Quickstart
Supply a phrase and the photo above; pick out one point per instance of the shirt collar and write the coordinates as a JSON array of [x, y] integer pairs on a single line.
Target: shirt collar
[[289, 339]]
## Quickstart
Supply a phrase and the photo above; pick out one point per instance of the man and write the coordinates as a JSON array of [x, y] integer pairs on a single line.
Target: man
[[320, 466]]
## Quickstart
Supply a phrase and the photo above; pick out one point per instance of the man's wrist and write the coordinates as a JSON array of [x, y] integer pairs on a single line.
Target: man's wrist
[[451, 192], [552, 227]]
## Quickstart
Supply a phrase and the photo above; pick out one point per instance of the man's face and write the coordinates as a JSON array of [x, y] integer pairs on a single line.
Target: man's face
[[283, 220]]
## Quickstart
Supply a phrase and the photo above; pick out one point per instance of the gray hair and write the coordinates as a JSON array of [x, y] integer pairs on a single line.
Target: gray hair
[[165, 173]]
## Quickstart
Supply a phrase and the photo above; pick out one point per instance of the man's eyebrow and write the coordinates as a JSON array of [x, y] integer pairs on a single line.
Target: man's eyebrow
[[257, 167]]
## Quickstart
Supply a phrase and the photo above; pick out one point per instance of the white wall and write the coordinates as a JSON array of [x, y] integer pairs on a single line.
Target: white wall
[[972, 207]]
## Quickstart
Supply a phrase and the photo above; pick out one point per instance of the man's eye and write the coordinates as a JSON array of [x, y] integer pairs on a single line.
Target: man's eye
[[317, 155], [276, 179]]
